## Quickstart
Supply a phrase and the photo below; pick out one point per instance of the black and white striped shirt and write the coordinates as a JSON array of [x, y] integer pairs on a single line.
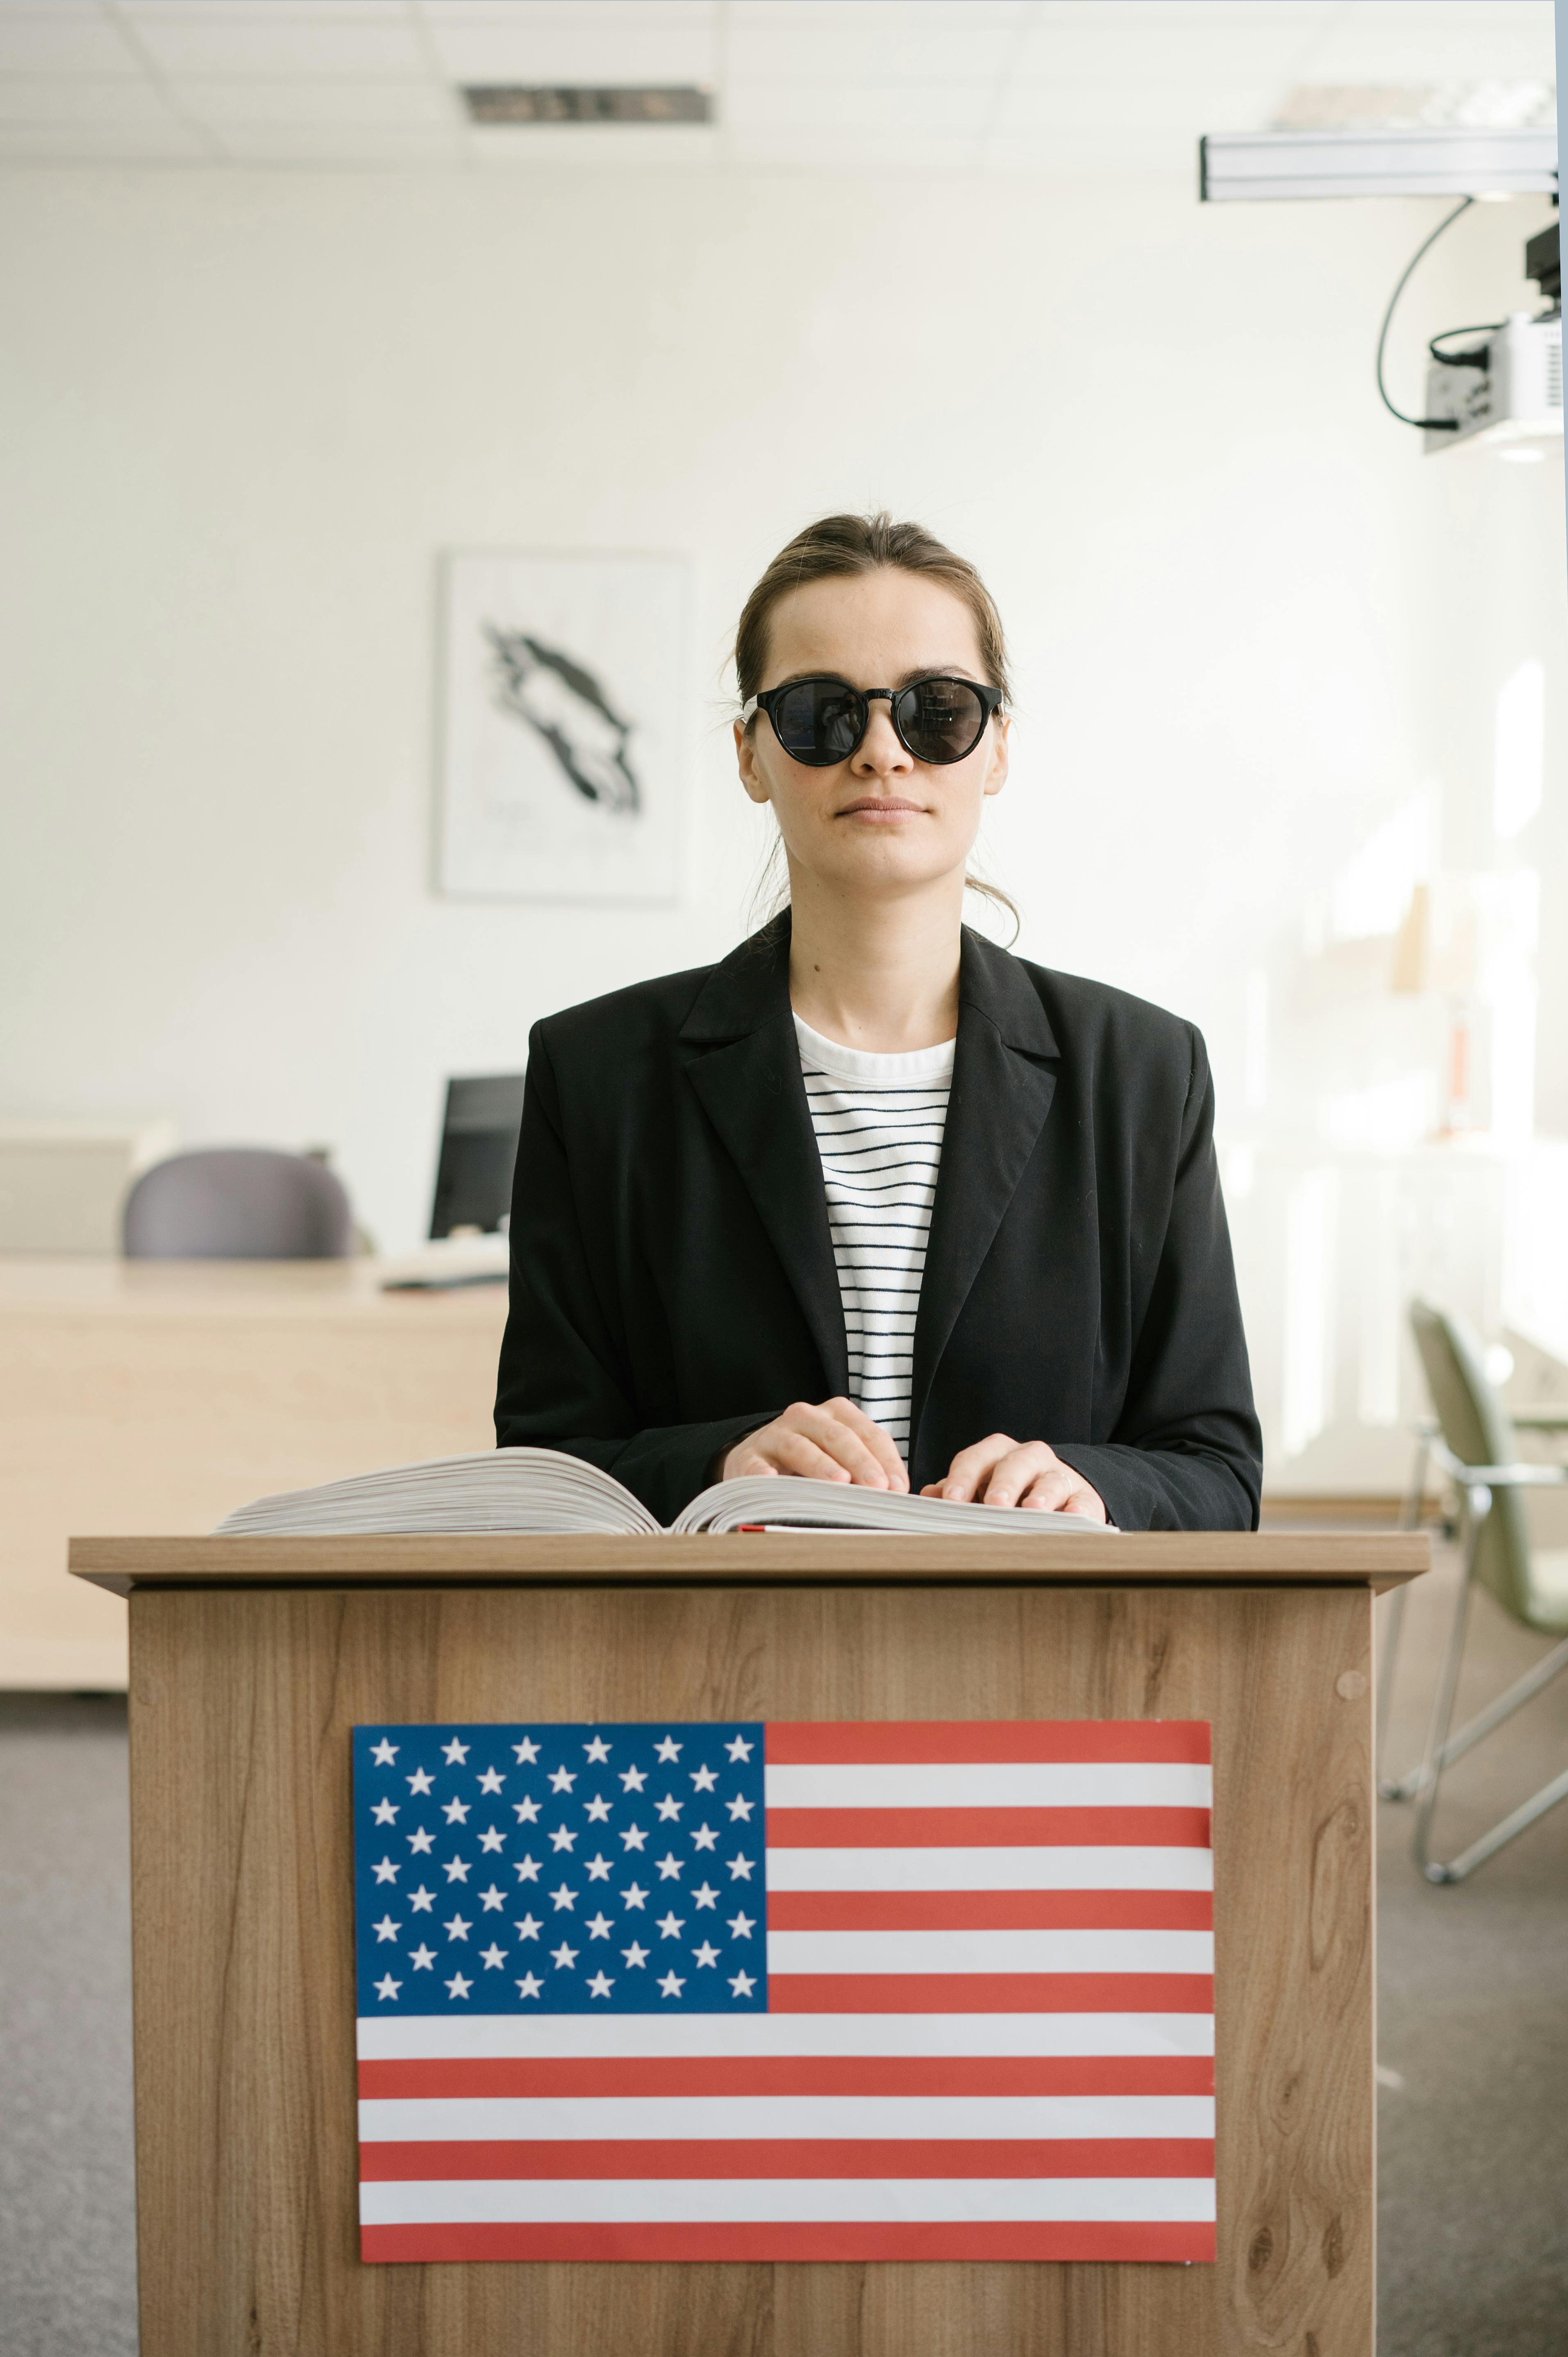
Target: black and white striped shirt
[[879, 1123]]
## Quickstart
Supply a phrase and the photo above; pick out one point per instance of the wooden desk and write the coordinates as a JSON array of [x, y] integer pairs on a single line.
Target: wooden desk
[[158, 1396], [251, 1660]]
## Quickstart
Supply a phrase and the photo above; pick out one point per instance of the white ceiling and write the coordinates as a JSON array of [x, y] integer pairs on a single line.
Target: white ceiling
[[1079, 86]]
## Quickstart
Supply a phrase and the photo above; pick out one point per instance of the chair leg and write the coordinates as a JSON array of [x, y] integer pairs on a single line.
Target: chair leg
[[1489, 1843], [1477, 1506]]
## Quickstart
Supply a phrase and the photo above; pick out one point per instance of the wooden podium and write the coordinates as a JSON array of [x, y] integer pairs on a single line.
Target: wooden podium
[[250, 1661]]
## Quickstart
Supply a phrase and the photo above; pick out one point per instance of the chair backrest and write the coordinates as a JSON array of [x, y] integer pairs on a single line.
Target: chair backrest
[[237, 1202], [1479, 1429]]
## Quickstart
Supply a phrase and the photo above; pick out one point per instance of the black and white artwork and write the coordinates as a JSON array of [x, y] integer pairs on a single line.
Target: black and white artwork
[[563, 720]]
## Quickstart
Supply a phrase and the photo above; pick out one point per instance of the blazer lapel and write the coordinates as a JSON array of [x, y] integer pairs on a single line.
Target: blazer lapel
[[1002, 1092], [747, 1073]]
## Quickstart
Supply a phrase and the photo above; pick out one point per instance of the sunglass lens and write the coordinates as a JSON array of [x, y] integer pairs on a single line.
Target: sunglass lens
[[941, 719], [819, 721]]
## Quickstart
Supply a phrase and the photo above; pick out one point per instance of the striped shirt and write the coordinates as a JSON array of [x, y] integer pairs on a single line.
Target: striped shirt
[[878, 1121]]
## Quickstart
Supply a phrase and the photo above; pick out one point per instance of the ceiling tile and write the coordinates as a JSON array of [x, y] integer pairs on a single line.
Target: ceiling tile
[[620, 146], [340, 147], [1048, 106], [578, 49], [232, 38], [1419, 41], [844, 46], [80, 99], [884, 154], [103, 142], [845, 109], [62, 39], [332, 100], [1081, 154]]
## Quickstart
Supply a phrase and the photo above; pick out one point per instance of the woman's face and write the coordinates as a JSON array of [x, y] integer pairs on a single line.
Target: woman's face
[[880, 821]]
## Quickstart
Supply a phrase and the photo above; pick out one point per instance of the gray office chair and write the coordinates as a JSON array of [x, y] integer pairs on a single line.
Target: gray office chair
[[237, 1202], [1472, 1439]]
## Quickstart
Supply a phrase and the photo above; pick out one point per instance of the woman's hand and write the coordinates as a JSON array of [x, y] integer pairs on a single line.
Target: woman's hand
[[835, 1442], [1005, 1472]]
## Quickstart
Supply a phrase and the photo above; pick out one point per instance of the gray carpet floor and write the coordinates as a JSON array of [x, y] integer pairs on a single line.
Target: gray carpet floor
[[1473, 2033]]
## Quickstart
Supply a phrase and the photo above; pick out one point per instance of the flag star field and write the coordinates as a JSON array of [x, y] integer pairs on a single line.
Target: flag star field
[[855, 1991]]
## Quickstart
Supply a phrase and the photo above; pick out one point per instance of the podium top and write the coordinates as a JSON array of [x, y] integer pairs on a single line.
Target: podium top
[[834, 1559]]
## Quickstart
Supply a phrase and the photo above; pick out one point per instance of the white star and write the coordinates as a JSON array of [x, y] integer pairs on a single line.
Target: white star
[[457, 1928], [634, 1837], [743, 1985], [633, 1895], [600, 1985], [739, 1749], [634, 1955], [598, 1810], [492, 1898], [529, 1986], [384, 1812], [421, 1781], [458, 1985], [739, 1807], [491, 1782], [455, 1753], [527, 1869], [563, 1897], [564, 1957], [383, 1753], [386, 1929], [704, 1779], [388, 1987], [490, 1839], [600, 1926], [599, 1750], [671, 1984], [633, 1779], [598, 1867], [527, 1752], [562, 1838], [669, 1867], [527, 1811], [704, 1894], [742, 1926], [740, 1869], [457, 1813], [422, 1901], [667, 1749], [704, 1836], [422, 1959], [529, 1928], [670, 1925], [386, 1871], [563, 1781], [420, 1841], [492, 1958], [670, 1807], [457, 1869], [707, 1953]]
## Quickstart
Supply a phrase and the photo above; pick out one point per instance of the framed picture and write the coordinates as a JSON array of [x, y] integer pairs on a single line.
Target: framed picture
[[565, 728]]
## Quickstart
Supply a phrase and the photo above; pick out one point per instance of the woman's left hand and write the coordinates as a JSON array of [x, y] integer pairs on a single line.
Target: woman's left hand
[[1002, 1471]]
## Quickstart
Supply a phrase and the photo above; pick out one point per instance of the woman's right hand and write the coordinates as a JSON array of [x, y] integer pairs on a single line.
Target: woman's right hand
[[835, 1442]]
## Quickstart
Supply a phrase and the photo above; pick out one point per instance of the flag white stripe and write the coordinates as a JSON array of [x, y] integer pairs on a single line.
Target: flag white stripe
[[505, 2119], [991, 1952], [685, 2201], [1173, 1866], [438, 2037], [993, 1785]]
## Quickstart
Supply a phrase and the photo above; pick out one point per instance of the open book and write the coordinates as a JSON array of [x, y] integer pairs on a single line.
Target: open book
[[543, 1492]]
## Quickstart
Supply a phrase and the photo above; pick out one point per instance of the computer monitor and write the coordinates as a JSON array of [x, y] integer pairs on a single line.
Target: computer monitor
[[479, 1147]]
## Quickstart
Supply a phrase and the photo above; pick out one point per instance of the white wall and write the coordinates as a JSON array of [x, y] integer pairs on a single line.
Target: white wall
[[240, 414]]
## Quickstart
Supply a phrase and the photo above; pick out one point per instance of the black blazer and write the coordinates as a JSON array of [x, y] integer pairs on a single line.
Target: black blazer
[[673, 1278]]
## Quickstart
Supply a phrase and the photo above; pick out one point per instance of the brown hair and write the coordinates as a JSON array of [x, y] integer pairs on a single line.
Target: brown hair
[[838, 545]]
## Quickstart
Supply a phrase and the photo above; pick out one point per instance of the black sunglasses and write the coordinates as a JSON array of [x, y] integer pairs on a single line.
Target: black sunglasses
[[820, 721]]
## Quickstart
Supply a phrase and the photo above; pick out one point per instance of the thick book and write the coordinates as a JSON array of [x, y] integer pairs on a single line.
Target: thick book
[[541, 1492]]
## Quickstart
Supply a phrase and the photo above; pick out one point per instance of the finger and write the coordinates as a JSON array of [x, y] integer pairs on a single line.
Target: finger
[[1051, 1491], [1079, 1499], [742, 1463], [792, 1452], [835, 1438], [966, 1476], [880, 1442], [1030, 1463]]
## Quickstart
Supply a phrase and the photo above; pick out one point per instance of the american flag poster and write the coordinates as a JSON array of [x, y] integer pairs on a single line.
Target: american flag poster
[[786, 1991]]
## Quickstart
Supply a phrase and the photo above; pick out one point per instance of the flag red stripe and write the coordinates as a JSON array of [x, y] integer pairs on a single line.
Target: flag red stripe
[[980, 1828], [910, 1742], [623, 2159], [791, 2074], [990, 1993], [760, 2240], [990, 1910]]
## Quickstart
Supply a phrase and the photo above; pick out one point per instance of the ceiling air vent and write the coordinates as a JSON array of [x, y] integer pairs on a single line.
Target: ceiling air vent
[[513, 103]]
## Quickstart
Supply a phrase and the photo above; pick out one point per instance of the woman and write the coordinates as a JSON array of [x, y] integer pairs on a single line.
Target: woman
[[872, 1200]]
